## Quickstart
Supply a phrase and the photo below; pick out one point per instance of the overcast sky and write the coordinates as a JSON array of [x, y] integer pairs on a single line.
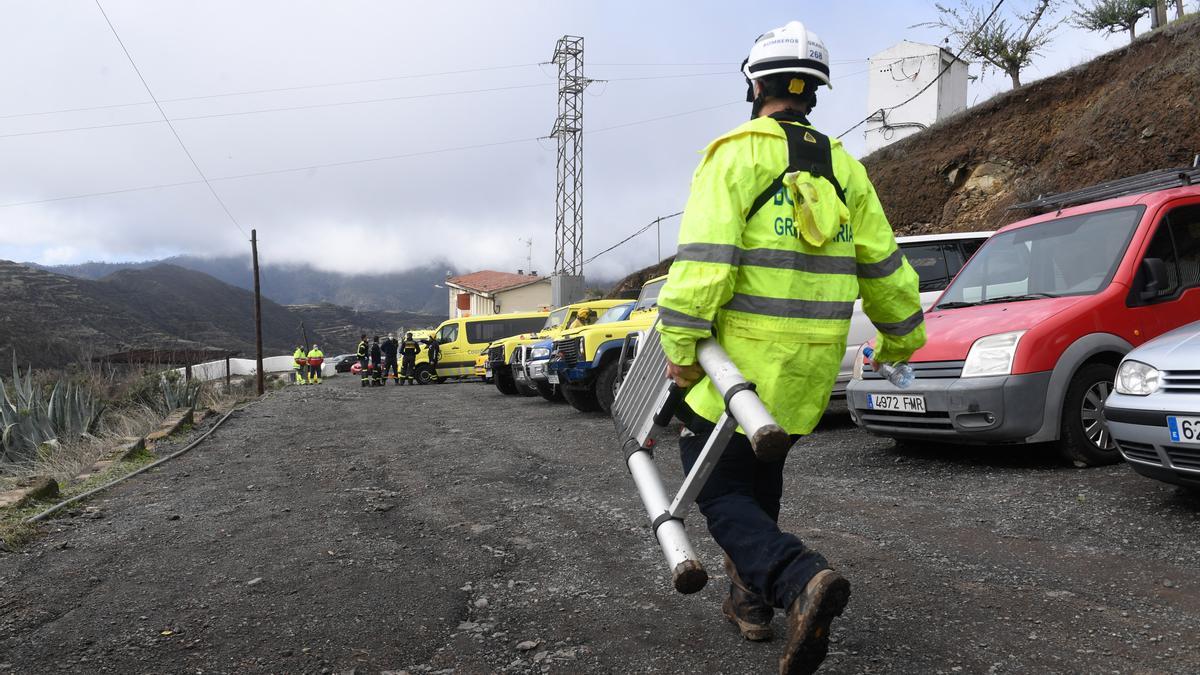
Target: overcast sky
[[469, 206]]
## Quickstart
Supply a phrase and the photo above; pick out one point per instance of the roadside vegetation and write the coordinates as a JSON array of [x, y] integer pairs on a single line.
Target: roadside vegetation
[[58, 424]]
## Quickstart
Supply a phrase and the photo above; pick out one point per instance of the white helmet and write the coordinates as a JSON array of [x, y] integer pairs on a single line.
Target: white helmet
[[790, 49]]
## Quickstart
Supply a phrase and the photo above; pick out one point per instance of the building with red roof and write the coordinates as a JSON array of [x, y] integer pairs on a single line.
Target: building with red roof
[[491, 292]]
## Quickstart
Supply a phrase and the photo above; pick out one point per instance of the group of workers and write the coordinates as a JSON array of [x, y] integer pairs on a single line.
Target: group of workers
[[392, 359], [306, 364]]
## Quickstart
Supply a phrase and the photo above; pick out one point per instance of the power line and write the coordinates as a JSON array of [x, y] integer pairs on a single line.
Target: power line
[[335, 104], [272, 90], [661, 77], [175, 133], [261, 111], [327, 165], [663, 117], [640, 230], [957, 57], [652, 65]]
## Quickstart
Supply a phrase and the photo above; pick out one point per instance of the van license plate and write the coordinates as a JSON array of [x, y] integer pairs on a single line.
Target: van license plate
[[910, 403], [1184, 429], [553, 377]]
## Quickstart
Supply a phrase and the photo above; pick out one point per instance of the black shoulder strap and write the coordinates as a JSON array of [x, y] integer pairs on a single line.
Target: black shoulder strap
[[808, 150]]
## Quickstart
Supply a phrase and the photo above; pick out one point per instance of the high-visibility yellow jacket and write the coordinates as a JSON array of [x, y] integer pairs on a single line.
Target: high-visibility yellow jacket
[[299, 358], [780, 289]]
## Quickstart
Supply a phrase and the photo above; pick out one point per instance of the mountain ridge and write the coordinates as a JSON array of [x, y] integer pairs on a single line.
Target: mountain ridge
[[50, 319]]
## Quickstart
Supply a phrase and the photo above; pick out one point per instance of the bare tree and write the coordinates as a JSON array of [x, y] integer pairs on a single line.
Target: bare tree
[[1112, 16], [1008, 45]]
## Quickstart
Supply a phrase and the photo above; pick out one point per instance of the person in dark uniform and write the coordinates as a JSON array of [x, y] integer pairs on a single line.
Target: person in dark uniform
[[376, 363], [389, 347], [409, 349], [364, 350], [434, 348]]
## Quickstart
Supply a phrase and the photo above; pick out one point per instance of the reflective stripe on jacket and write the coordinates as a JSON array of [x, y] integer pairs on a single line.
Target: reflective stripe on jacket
[[298, 358], [767, 287]]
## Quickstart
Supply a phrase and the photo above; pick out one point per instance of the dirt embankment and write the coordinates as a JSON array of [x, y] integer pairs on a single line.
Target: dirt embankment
[[1126, 112]]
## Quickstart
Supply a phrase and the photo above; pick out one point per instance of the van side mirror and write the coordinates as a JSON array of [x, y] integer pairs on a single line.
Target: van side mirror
[[1154, 278]]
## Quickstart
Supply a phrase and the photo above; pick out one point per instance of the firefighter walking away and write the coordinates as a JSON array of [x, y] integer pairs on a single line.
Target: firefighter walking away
[[781, 234]]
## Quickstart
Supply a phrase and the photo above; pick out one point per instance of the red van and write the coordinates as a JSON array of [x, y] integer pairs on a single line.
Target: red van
[[1025, 342]]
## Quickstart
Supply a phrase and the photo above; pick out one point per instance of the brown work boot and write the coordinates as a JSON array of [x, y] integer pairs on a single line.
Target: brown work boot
[[746, 609], [824, 598]]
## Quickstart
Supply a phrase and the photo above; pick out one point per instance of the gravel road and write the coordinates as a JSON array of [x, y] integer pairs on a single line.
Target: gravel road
[[449, 528]]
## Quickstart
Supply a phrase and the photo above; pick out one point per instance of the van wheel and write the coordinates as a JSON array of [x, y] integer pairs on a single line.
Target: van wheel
[[581, 398], [426, 374], [550, 392], [1084, 438], [606, 386], [504, 382]]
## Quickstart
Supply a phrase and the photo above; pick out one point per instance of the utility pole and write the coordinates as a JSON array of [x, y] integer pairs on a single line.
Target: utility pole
[[258, 371], [304, 332], [567, 282]]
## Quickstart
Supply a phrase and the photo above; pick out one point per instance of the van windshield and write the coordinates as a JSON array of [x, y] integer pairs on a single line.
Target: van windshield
[[1069, 256], [648, 298]]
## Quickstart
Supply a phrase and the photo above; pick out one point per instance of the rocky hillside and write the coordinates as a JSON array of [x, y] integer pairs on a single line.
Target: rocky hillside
[[50, 319], [1129, 111]]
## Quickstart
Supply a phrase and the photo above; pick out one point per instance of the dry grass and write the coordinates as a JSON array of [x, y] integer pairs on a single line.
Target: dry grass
[[132, 419]]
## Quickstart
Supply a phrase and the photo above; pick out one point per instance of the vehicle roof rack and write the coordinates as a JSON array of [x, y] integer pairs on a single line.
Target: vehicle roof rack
[[1122, 187]]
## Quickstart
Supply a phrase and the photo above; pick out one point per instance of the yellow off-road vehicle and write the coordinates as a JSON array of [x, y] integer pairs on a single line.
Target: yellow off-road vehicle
[[584, 362], [500, 352]]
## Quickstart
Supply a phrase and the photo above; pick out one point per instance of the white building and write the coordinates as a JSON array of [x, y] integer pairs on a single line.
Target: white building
[[896, 75]]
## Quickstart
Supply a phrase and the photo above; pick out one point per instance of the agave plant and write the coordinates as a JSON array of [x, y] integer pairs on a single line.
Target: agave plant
[[31, 419], [179, 393]]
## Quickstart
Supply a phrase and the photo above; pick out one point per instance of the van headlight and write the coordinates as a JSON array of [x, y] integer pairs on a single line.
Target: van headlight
[[992, 355], [1135, 378], [858, 366], [539, 353]]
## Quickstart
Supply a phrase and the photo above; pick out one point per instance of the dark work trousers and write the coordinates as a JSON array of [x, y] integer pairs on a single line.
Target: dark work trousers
[[376, 372], [741, 503], [366, 374], [409, 368], [389, 370]]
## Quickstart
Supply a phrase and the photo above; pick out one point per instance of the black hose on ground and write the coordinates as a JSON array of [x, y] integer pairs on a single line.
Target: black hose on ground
[[58, 507]]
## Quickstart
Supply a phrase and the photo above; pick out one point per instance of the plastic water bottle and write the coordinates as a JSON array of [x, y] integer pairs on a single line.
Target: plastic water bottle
[[899, 374]]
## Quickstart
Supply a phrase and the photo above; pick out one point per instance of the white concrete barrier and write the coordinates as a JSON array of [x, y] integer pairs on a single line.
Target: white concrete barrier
[[215, 370]]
